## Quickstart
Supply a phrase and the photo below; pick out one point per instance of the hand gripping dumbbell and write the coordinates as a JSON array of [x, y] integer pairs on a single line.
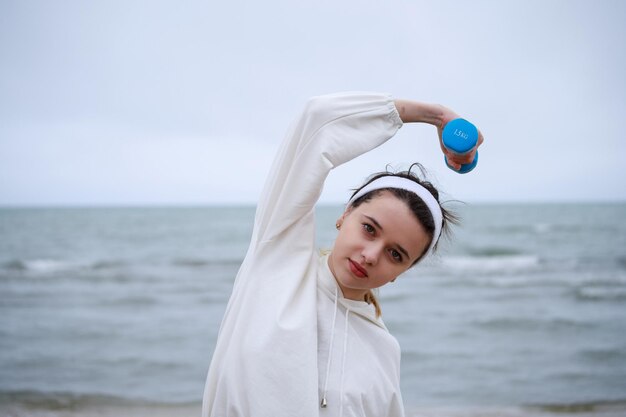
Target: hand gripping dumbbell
[[459, 137]]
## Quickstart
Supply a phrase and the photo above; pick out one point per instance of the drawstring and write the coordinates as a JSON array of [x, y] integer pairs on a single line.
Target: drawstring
[[330, 353], [324, 403], [343, 360]]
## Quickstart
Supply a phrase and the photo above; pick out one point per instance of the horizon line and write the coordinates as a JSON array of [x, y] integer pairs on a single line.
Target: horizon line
[[321, 204]]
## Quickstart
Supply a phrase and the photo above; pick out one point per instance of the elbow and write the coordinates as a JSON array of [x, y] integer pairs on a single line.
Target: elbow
[[316, 105]]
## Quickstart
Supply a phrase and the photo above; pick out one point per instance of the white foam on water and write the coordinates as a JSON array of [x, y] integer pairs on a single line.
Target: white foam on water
[[505, 264], [45, 266]]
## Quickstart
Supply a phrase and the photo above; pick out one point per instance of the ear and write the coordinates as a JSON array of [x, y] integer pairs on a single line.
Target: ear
[[339, 222], [342, 218]]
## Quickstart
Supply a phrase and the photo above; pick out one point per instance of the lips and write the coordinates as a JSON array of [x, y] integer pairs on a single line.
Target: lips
[[357, 269]]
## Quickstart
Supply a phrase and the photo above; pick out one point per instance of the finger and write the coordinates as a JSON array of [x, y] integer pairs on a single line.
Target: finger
[[462, 159], [452, 162]]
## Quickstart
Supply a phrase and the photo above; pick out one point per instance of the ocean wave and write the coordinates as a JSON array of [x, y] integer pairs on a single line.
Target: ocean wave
[[43, 266], [495, 251], [108, 264], [543, 323], [390, 297], [488, 264], [59, 400], [191, 262], [601, 293], [204, 262], [48, 266], [539, 228], [133, 301], [55, 400], [607, 408], [14, 265], [604, 355], [513, 281]]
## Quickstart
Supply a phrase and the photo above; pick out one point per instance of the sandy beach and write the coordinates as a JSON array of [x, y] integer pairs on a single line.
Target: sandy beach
[[193, 410]]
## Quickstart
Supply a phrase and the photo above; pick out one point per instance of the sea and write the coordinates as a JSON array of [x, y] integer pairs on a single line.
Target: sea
[[522, 311]]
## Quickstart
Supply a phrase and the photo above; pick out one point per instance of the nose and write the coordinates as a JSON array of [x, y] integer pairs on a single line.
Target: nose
[[371, 253]]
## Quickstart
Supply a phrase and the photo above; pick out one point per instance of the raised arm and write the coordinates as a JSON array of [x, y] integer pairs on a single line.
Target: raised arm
[[330, 131]]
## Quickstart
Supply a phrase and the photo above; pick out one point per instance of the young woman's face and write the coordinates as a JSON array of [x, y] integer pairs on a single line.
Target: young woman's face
[[377, 241]]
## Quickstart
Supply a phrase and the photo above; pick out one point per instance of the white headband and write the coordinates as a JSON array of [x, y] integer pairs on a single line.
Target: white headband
[[392, 181]]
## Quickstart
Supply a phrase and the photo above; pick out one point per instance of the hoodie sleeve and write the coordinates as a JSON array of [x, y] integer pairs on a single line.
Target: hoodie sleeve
[[331, 130]]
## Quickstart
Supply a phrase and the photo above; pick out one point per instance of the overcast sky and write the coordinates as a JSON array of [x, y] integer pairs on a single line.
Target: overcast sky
[[185, 102]]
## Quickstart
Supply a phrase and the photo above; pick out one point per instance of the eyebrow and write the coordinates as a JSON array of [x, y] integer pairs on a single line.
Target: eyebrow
[[400, 248]]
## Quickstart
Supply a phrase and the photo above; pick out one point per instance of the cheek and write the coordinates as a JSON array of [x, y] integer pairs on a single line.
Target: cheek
[[340, 240], [348, 235], [393, 271]]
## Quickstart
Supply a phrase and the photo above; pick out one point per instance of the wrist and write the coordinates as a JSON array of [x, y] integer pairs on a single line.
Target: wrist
[[417, 112], [438, 115]]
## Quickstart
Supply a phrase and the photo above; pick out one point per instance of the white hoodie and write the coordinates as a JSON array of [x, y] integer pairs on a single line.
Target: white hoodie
[[286, 311]]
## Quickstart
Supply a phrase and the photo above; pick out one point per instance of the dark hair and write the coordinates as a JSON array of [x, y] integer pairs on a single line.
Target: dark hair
[[415, 204]]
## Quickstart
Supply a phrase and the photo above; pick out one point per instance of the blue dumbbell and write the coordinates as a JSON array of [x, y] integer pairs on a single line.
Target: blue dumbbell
[[460, 136]]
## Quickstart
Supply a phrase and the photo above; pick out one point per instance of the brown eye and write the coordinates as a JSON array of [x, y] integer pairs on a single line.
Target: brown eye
[[396, 255]]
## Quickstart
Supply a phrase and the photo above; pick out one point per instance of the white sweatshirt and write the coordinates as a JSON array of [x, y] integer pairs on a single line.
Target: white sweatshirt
[[286, 311]]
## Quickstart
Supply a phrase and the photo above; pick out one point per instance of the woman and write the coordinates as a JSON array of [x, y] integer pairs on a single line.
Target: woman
[[301, 335]]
